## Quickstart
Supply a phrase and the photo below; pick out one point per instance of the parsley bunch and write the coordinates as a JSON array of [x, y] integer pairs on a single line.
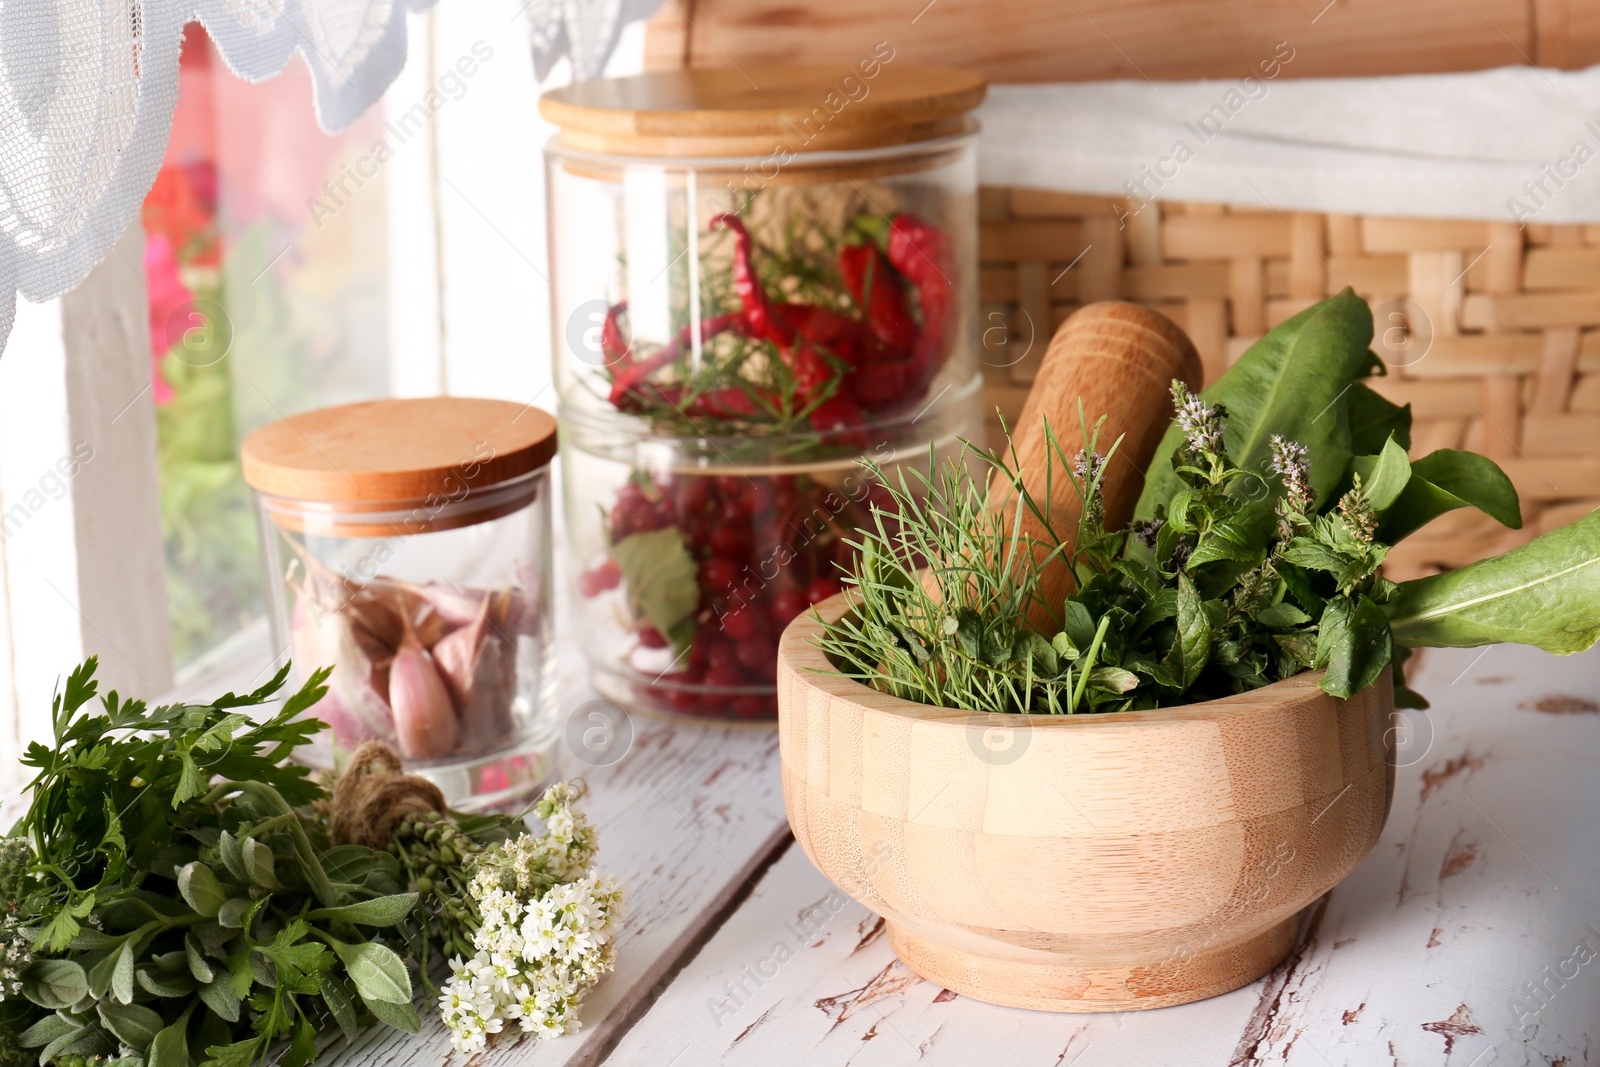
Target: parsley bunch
[[178, 895]]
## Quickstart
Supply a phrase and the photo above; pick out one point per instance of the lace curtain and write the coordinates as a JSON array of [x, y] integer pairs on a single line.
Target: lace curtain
[[87, 89]]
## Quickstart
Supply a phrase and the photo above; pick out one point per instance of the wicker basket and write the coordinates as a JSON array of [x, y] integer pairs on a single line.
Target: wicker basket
[[1489, 329]]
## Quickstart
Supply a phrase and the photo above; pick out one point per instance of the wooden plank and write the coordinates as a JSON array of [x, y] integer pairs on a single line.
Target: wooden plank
[[1174, 281], [1368, 275], [1541, 478], [1045, 204], [1422, 235], [1561, 268], [1044, 41], [1042, 242], [1224, 236], [1563, 434], [1530, 311], [802, 974]]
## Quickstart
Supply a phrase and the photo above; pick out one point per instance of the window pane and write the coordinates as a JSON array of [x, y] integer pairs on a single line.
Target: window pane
[[266, 260]]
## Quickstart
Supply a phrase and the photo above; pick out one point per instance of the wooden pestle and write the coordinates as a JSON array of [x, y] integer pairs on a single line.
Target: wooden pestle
[[1119, 359]]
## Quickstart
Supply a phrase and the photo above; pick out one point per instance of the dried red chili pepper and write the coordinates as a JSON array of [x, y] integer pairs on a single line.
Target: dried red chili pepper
[[877, 290], [921, 251]]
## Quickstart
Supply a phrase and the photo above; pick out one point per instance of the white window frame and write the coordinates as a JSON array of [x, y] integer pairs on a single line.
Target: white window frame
[[82, 566]]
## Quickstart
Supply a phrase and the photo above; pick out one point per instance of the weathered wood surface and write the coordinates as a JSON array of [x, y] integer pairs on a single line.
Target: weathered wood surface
[[1464, 937]]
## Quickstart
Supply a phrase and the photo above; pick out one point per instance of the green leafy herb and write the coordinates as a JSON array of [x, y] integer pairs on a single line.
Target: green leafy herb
[[1257, 553]]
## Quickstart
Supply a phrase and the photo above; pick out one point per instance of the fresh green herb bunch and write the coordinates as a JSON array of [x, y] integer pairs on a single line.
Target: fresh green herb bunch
[[1255, 554], [437, 857], [953, 637], [176, 905]]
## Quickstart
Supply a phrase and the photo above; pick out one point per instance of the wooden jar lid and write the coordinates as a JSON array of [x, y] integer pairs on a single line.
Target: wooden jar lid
[[794, 109], [389, 452]]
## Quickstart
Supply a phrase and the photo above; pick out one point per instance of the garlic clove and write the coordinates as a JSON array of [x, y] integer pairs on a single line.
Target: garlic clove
[[424, 717], [354, 706], [479, 668]]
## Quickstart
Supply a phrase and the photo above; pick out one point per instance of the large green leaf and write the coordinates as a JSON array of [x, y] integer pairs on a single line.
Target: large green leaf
[[1295, 381], [1385, 475], [1374, 419], [1545, 593], [1443, 481]]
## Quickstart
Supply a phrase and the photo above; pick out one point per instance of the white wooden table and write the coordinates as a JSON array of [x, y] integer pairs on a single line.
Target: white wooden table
[[1468, 936]]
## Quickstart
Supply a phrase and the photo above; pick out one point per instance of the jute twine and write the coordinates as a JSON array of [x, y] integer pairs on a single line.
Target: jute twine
[[374, 794]]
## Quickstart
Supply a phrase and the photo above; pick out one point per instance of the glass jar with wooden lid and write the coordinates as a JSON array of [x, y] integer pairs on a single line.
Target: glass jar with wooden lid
[[407, 546], [755, 284]]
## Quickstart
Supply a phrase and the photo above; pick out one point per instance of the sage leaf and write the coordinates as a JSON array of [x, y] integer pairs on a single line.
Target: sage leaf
[[199, 966], [164, 985], [220, 997], [133, 1024], [1545, 593], [232, 912], [55, 984], [232, 856], [1383, 476], [122, 974], [1446, 480], [379, 911], [170, 1047], [1295, 381], [200, 889], [378, 974], [259, 865], [48, 1029], [400, 1016], [1191, 648], [341, 1006]]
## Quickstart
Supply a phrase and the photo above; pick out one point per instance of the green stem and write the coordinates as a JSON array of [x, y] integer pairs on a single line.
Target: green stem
[[1088, 661]]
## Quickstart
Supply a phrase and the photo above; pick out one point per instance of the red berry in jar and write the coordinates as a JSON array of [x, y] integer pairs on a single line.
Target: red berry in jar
[[753, 707], [787, 603], [720, 653], [821, 590], [650, 637], [718, 573], [757, 653], [726, 676], [730, 538], [740, 623]]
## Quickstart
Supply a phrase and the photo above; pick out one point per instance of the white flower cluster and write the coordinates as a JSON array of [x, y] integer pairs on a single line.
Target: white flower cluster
[[546, 935], [15, 955]]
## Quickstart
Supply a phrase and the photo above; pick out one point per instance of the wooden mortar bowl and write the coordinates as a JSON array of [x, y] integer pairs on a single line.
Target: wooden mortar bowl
[[1087, 862]]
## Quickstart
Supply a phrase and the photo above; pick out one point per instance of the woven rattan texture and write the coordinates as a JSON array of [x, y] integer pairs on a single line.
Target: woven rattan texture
[[1491, 331]]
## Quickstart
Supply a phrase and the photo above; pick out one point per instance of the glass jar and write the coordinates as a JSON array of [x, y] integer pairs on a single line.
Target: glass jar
[[752, 290], [407, 547], [689, 566]]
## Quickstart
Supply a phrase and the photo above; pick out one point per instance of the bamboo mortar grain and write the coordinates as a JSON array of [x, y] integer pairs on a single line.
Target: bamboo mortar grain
[[1119, 360]]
